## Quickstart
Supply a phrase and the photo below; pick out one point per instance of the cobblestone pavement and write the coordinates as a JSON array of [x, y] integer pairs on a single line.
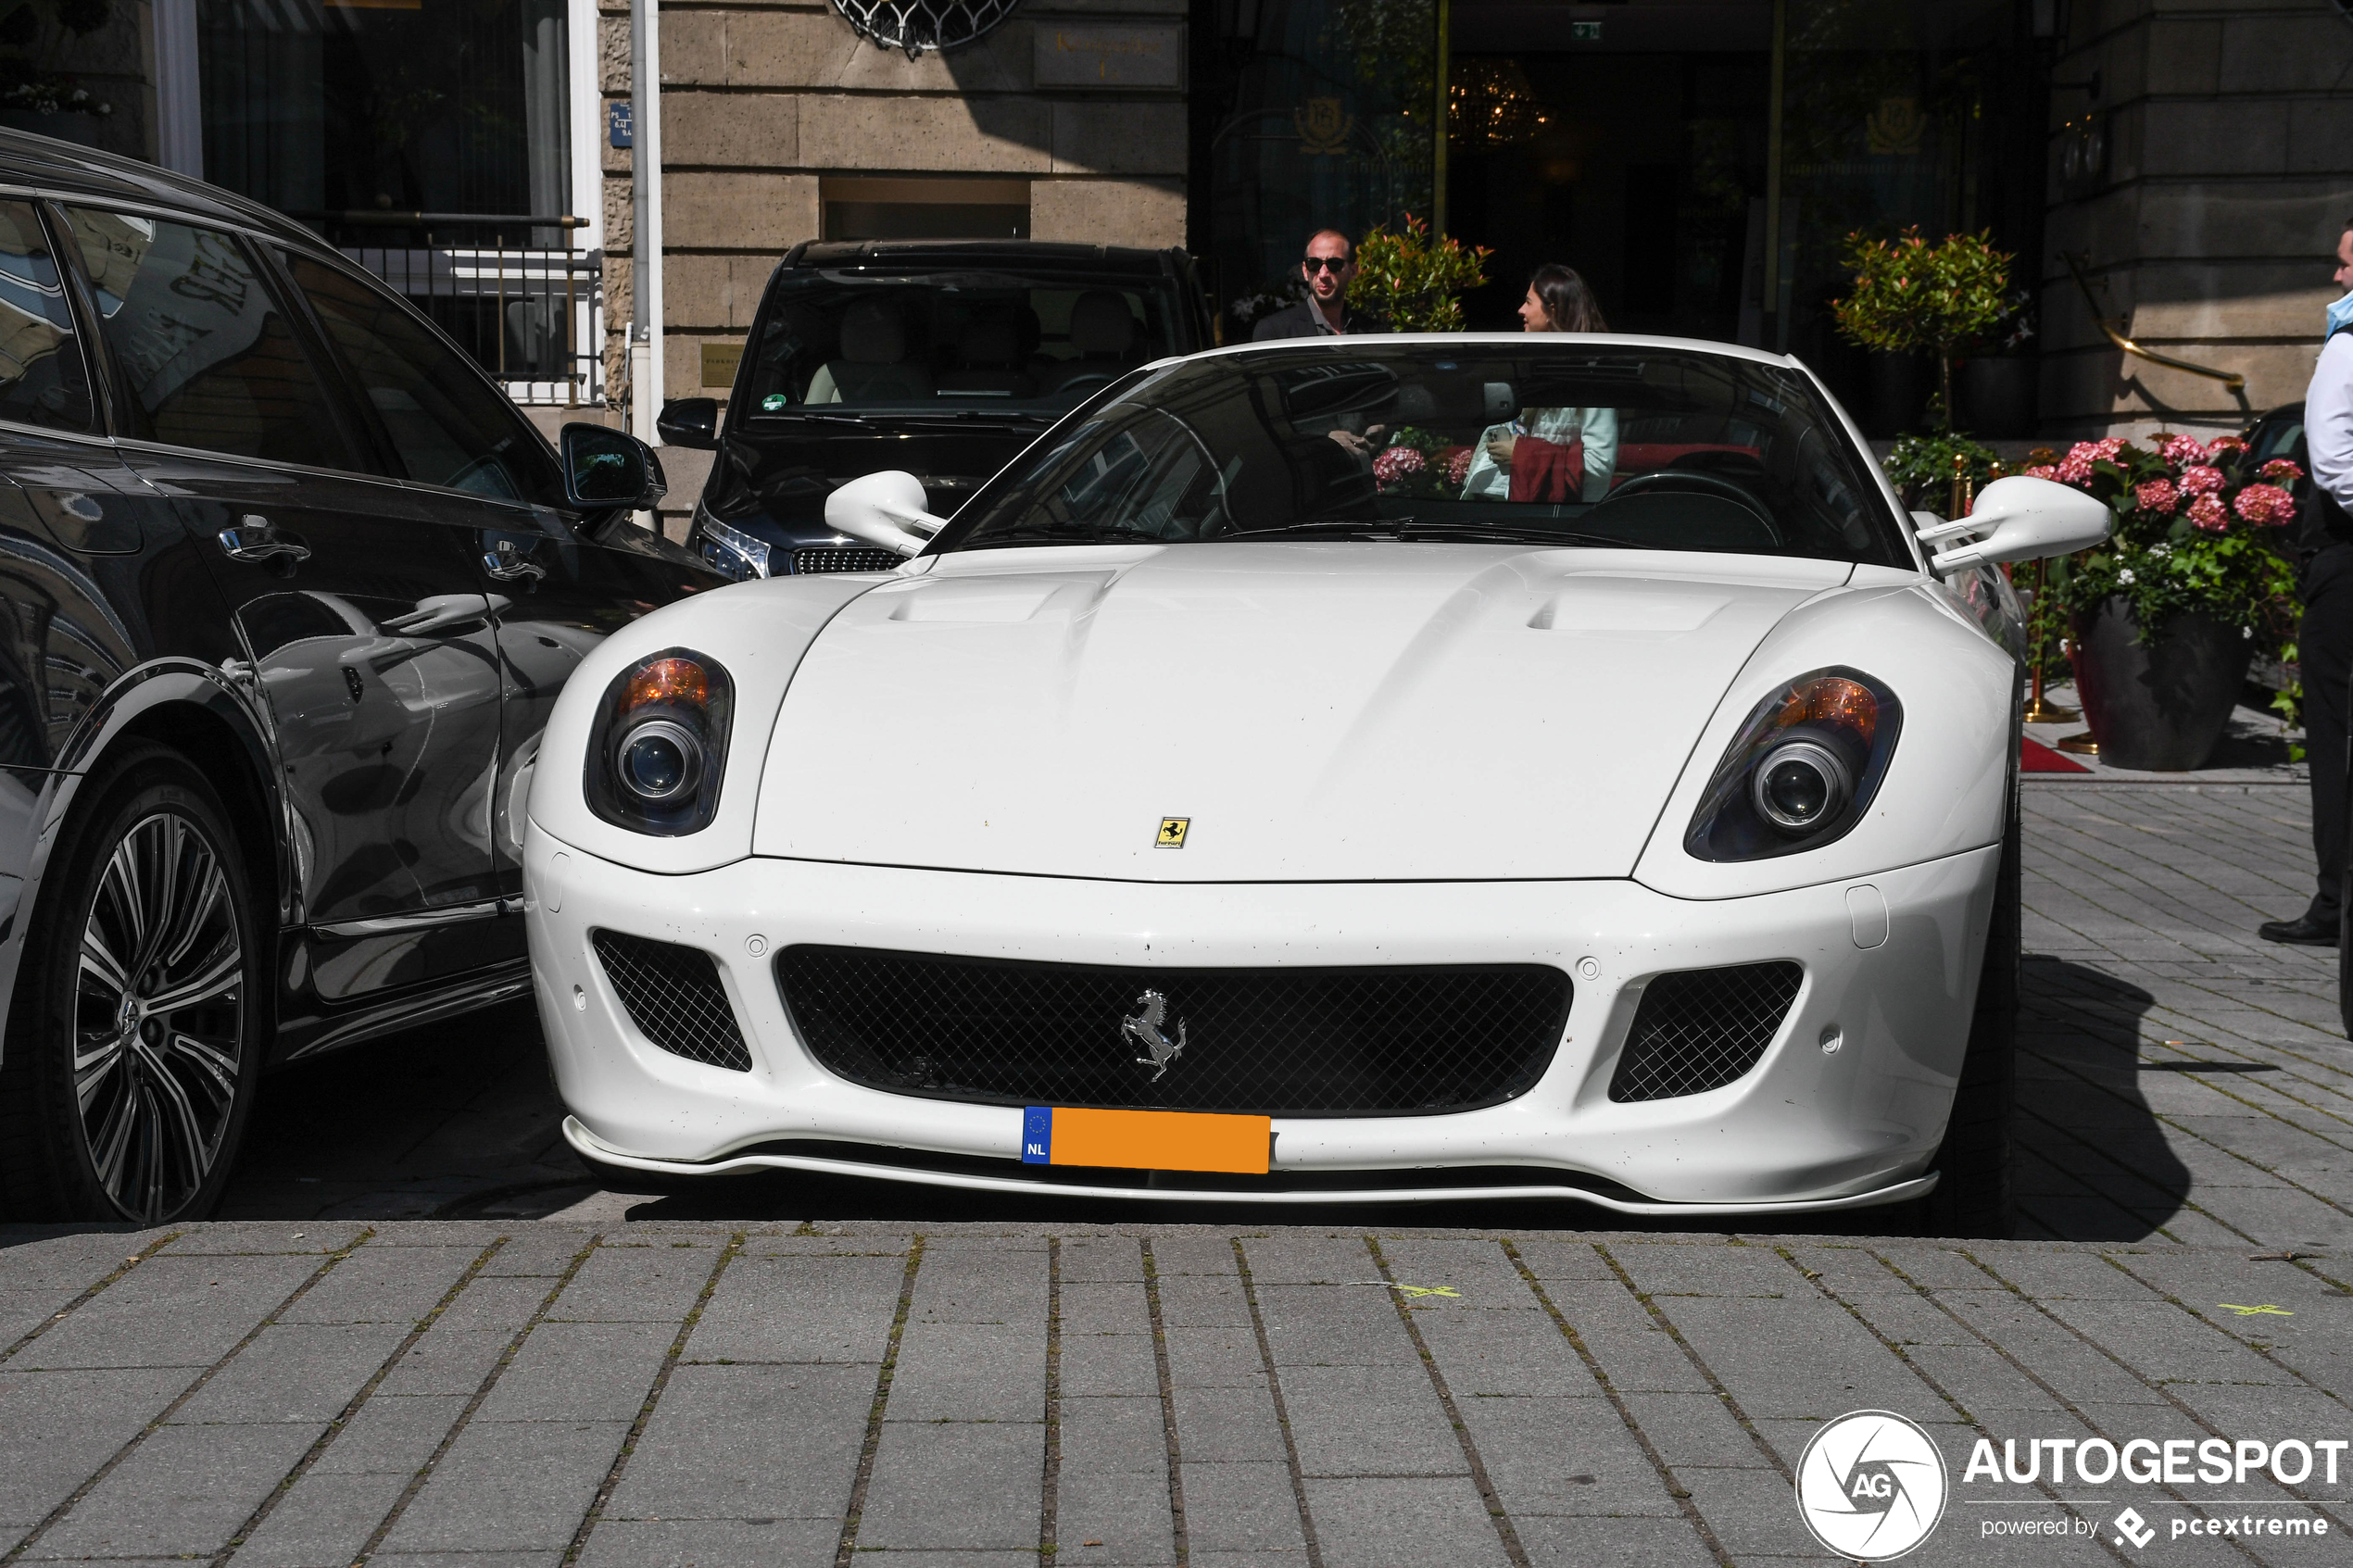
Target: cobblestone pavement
[[315, 1394], [781, 1371]]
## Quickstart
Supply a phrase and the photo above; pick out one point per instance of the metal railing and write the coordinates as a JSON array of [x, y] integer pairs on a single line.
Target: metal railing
[[531, 315], [2114, 332]]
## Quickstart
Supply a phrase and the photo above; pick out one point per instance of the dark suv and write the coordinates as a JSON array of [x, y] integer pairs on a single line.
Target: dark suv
[[941, 358], [288, 590]]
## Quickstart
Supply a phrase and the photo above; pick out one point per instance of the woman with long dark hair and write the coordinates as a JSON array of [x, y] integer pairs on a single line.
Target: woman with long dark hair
[[1550, 455]]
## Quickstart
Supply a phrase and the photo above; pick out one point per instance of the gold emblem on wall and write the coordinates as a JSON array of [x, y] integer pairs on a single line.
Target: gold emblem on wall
[[1323, 126], [1896, 127]]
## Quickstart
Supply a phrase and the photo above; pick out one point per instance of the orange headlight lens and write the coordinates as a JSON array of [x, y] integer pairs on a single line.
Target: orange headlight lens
[[667, 680], [1832, 699]]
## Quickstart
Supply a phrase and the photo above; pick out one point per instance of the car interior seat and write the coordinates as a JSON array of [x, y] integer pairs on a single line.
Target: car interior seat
[[1102, 333], [872, 365]]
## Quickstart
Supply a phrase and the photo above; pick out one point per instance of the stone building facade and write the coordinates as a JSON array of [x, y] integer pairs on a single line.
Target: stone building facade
[[2206, 220]]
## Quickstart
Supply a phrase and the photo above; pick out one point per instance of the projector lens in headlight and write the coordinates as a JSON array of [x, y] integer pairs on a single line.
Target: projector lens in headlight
[[1802, 770], [660, 743]]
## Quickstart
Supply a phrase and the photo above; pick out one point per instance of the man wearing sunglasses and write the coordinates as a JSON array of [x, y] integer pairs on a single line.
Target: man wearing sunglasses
[[1329, 268]]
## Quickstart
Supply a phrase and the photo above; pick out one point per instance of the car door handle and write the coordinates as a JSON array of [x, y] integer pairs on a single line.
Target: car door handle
[[256, 539], [508, 564]]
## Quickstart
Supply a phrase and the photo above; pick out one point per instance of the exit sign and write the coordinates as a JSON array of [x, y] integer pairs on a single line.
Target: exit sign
[[1585, 33]]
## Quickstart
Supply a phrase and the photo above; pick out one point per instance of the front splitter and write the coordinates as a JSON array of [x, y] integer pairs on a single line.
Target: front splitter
[[581, 1139]]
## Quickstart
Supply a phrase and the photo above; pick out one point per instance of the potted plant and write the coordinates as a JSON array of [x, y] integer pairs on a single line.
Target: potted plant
[[1415, 283], [2165, 616], [1913, 298], [36, 94]]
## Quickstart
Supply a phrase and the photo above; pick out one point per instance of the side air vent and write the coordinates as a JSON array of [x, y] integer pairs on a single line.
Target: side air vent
[[675, 998], [1700, 1029]]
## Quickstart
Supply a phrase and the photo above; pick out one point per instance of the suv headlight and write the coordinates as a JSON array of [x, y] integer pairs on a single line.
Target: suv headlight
[[731, 550], [659, 747], [1802, 770]]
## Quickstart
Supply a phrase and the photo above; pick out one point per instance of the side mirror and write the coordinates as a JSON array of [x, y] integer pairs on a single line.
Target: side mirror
[[605, 470], [2021, 519], [690, 422], [884, 508]]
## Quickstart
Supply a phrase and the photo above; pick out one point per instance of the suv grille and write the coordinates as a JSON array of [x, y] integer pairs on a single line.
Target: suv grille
[[1278, 1042], [830, 557], [675, 998], [1700, 1029]]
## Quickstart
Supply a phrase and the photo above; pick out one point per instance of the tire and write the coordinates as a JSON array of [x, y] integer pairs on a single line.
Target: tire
[[148, 876], [1973, 1195]]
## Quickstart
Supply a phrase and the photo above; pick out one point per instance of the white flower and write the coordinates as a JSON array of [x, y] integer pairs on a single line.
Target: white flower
[[2125, 577], [2246, 633], [2161, 549]]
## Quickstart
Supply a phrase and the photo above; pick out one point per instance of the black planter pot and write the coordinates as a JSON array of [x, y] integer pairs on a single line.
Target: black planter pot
[[79, 129], [2162, 709], [1997, 397]]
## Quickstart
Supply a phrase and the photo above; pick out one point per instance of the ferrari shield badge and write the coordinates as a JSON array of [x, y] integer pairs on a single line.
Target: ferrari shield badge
[[1172, 832]]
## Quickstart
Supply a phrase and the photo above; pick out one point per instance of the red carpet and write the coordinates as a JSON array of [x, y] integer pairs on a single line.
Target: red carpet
[[2033, 756]]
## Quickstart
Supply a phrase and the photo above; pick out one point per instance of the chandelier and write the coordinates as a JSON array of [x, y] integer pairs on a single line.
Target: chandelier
[[1490, 103]]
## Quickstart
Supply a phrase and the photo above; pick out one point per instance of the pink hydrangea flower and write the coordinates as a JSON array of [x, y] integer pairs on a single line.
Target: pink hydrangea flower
[[2206, 513], [2265, 503], [2282, 471], [2181, 449], [1458, 462], [2200, 481], [1398, 464], [2156, 495], [2042, 471], [2073, 469], [2223, 446]]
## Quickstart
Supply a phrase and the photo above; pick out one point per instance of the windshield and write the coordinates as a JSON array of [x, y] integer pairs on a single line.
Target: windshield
[[844, 342], [1568, 442]]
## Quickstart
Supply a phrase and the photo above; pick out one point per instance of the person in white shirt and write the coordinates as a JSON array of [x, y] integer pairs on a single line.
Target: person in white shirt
[[1550, 454], [2325, 642]]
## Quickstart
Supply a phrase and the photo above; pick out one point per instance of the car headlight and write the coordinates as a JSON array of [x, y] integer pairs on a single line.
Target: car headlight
[[735, 552], [659, 747], [1802, 770]]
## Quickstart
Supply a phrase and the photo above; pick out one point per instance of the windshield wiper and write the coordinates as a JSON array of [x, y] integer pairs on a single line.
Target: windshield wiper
[[1407, 527]]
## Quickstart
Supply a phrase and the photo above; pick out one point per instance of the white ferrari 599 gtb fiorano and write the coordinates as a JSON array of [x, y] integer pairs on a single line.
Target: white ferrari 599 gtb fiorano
[[1365, 769]]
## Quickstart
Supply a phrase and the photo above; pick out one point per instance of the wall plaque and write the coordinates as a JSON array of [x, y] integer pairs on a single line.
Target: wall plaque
[[1091, 56]]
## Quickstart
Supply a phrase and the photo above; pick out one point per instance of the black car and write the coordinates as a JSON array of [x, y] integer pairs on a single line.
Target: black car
[[940, 357], [288, 590]]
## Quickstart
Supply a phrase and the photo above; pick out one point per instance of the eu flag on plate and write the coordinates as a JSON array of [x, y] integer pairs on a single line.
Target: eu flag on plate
[[1038, 1135]]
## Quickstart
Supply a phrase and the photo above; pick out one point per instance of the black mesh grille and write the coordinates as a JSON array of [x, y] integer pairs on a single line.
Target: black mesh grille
[[1278, 1042], [675, 998], [838, 558], [1700, 1029]]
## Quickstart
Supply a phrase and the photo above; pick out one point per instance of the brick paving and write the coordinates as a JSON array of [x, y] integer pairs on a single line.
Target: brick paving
[[820, 1371]]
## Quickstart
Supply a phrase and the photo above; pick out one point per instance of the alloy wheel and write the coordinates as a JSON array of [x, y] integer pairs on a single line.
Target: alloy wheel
[[159, 1012]]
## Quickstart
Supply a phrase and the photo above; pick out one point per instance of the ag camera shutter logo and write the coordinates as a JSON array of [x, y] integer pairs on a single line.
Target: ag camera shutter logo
[[1871, 1485]]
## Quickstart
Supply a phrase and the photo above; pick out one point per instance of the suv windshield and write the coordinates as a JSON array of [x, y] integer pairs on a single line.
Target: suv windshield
[[842, 341], [1569, 441]]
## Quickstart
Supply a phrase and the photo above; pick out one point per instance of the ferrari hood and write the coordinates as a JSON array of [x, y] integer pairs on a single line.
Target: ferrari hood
[[1311, 711]]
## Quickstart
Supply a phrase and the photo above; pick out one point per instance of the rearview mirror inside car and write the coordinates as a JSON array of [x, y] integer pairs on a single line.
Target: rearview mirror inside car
[[690, 422], [2020, 517], [606, 469], [884, 508]]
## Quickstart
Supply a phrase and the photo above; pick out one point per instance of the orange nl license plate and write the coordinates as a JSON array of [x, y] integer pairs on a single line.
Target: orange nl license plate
[[1145, 1140]]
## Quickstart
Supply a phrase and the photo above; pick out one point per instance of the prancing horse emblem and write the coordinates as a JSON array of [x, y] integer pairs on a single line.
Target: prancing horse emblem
[[1144, 1028]]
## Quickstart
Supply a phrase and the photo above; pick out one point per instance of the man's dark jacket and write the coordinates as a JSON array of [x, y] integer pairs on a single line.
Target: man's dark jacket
[[1298, 320]]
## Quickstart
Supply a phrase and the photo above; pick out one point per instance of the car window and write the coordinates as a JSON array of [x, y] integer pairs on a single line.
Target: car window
[[41, 378], [1568, 439], [445, 422], [852, 339], [207, 359]]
